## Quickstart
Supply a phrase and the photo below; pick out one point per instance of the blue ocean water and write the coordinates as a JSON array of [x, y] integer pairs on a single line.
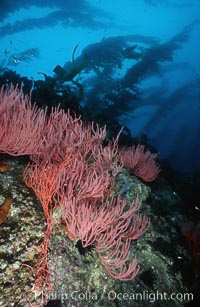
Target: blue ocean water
[[137, 61]]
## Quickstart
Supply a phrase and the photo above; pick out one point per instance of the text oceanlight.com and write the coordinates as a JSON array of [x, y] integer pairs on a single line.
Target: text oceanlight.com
[[151, 297]]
